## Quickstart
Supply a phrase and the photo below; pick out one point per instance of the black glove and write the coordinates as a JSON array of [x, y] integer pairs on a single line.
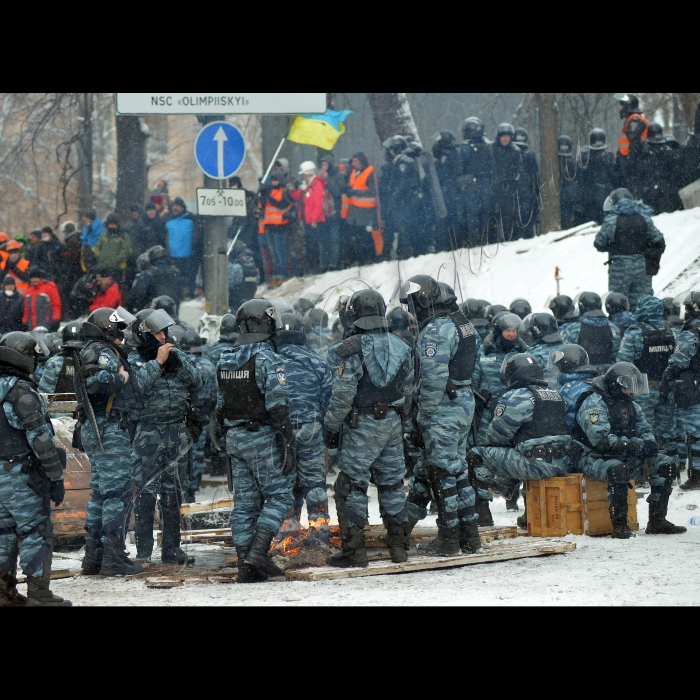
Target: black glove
[[664, 390], [173, 363], [482, 398], [415, 438], [57, 491], [625, 448], [284, 435], [332, 439], [650, 449]]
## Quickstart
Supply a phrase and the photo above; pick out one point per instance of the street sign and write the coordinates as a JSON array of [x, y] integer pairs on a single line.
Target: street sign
[[221, 103], [224, 202], [219, 150]]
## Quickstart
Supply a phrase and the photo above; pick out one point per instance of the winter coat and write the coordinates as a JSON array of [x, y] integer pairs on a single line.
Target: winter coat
[[36, 312], [49, 257], [448, 167], [181, 235], [596, 178], [92, 233], [11, 312], [110, 298], [571, 386], [508, 169], [114, 249], [314, 201], [147, 233]]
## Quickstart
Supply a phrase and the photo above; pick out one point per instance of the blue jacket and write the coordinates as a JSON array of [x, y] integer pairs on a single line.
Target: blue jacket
[[606, 236], [571, 386], [650, 314], [180, 232], [572, 332], [92, 233]]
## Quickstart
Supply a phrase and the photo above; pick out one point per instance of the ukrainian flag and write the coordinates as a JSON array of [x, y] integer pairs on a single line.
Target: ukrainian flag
[[321, 130]]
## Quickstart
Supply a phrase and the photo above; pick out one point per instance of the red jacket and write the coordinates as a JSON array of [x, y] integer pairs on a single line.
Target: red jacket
[[313, 201], [110, 298], [32, 303]]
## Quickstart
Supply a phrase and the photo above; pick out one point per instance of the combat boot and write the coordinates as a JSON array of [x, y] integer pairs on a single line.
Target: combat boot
[[522, 519], [258, 557], [618, 478], [171, 552], [658, 525], [92, 559], [38, 593], [512, 498], [398, 541], [246, 572], [9, 595], [446, 544], [693, 482], [469, 540], [353, 552], [144, 510], [115, 561], [484, 512]]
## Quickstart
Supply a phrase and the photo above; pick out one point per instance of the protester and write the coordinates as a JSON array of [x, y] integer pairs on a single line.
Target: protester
[[11, 307], [15, 266], [184, 243], [108, 293], [42, 302]]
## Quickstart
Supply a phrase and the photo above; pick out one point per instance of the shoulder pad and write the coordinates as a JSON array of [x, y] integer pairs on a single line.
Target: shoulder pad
[[27, 407], [90, 354], [351, 346]]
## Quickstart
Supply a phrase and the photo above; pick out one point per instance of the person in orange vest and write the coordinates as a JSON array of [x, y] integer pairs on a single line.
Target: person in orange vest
[[4, 238], [275, 204], [633, 136], [42, 303], [14, 265], [359, 209]]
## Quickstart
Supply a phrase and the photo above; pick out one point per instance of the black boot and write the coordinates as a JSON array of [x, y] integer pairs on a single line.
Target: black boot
[[658, 525], [353, 552], [398, 540], [246, 572], [115, 561], [618, 478], [38, 593], [259, 555], [9, 595], [693, 482], [446, 544], [512, 498], [484, 512], [469, 540], [171, 553], [92, 559], [144, 510]]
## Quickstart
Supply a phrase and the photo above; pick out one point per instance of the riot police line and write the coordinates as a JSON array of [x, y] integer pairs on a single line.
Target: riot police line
[[416, 387]]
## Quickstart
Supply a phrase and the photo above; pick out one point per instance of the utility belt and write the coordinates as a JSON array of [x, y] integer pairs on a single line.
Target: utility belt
[[121, 418], [545, 452], [25, 460], [379, 411]]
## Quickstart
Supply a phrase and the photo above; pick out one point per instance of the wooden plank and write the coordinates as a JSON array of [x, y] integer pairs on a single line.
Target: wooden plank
[[163, 583], [55, 574], [187, 508], [497, 552]]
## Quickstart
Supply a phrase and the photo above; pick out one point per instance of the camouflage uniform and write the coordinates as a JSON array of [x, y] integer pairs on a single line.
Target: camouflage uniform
[[595, 320], [541, 353], [571, 386], [214, 352], [52, 369], [310, 382], [263, 494]]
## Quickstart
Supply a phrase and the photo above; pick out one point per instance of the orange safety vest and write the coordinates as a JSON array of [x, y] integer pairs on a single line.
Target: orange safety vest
[[358, 182], [22, 264], [623, 143], [273, 216]]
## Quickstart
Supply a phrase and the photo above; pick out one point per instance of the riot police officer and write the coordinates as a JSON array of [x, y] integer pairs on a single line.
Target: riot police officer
[[599, 336], [596, 178], [59, 369], [475, 311], [574, 377], [616, 440], [104, 371], [31, 475], [228, 334], [630, 143], [253, 410], [363, 421], [568, 180], [562, 308], [546, 339], [617, 307], [168, 304], [161, 277], [448, 351], [527, 211], [507, 174]]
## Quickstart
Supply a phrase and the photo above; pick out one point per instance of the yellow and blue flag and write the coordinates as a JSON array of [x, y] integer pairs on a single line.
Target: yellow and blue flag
[[321, 130]]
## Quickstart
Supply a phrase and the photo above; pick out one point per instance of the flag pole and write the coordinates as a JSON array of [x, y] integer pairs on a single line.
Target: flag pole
[[274, 158]]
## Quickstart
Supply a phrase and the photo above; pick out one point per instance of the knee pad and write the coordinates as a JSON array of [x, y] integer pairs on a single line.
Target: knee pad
[[618, 474], [342, 486], [668, 471]]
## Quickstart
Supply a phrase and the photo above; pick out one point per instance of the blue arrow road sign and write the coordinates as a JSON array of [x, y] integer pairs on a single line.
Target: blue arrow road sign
[[219, 150]]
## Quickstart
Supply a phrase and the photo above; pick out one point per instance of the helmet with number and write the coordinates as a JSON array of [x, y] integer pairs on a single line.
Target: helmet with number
[[107, 323], [367, 310], [504, 321], [562, 307], [448, 297], [521, 137], [472, 129], [616, 302], [672, 310], [165, 302], [156, 252], [22, 350], [228, 329], [421, 293], [71, 335], [597, 140], [505, 129], [492, 310], [565, 145], [521, 307], [177, 336], [589, 301], [624, 375], [569, 358], [291, 330], [629, 104], [692, 305], [543, 326], [257, 320], [396, 143], [615, 196], [520, 369]]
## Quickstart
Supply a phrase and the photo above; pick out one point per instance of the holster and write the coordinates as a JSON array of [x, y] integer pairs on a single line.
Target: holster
[[576, 452], [451, 390], [77, 441]]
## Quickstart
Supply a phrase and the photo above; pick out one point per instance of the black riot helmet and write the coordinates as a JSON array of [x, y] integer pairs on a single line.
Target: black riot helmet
[[403, 325], [562, 307], [143, 262], [165, 302], [316, 319], [146, 324], [107, 323], [257, 320], [692, 305], [597, 140], [629, 104], [655, 133], [156, 252], [521, 307], [474, 309], [54, 342], [303, 305], [444, 141], [448, 297], [177, 335], [472, 129], [22, 350], [505, 129], [616, 302], [615, 196], [521, 369], [421, 293], [543, 327], [492, 310], [672, 311], [228, 329], [624, 375], [291, 330], [521, 138], [396, 143], [367, 310], [589, 301], [71, 335], [342, 311], [570, 357], [192, 342], [505, 320], [565, 145]]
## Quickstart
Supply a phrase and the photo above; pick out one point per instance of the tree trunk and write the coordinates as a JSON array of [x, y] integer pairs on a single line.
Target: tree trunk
[[549, 160], [84, 146], [392, 115], [688, 103], [131, 165]]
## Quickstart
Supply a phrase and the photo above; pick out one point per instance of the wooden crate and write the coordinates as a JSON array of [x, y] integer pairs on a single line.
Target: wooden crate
[[555, 506], [572, 504], [597, 510]]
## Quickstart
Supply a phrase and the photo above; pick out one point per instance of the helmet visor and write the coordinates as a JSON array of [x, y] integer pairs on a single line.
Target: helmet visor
[[680, 302], [274, 313], [608, 204], [636, 383], [158, 321], [406, 289], [40, 347], [122, 316]]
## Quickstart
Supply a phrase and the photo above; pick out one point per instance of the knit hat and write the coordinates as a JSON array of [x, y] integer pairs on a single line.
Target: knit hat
[[112, 219], [180, 201]]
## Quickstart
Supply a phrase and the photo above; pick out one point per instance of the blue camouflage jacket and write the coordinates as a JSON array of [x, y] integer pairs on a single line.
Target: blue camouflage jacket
[[623, 320], [384, 355], [214, 352], [650, 314], [487, 373], [686, 346], [541, 353], [108, 380], [52, 369], [572, 332], [270, 374], [310, 383], [571, 386], [206, 398], [605, 237]]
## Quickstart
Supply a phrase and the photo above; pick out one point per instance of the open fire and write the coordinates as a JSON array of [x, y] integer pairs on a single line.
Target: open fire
[[293, 537]]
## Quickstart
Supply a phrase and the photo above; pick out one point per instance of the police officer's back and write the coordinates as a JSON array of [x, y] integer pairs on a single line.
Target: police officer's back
[[599, 336], [574, 376], [547, 338], [59, 370]]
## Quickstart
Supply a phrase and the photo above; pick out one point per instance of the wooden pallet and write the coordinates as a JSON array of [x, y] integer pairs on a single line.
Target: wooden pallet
[[55, 574], [188, 508], [498, 551]]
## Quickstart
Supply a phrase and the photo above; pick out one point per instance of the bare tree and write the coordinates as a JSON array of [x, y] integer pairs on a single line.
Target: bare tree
[[549, 160], [392, 115], [132, 170]]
